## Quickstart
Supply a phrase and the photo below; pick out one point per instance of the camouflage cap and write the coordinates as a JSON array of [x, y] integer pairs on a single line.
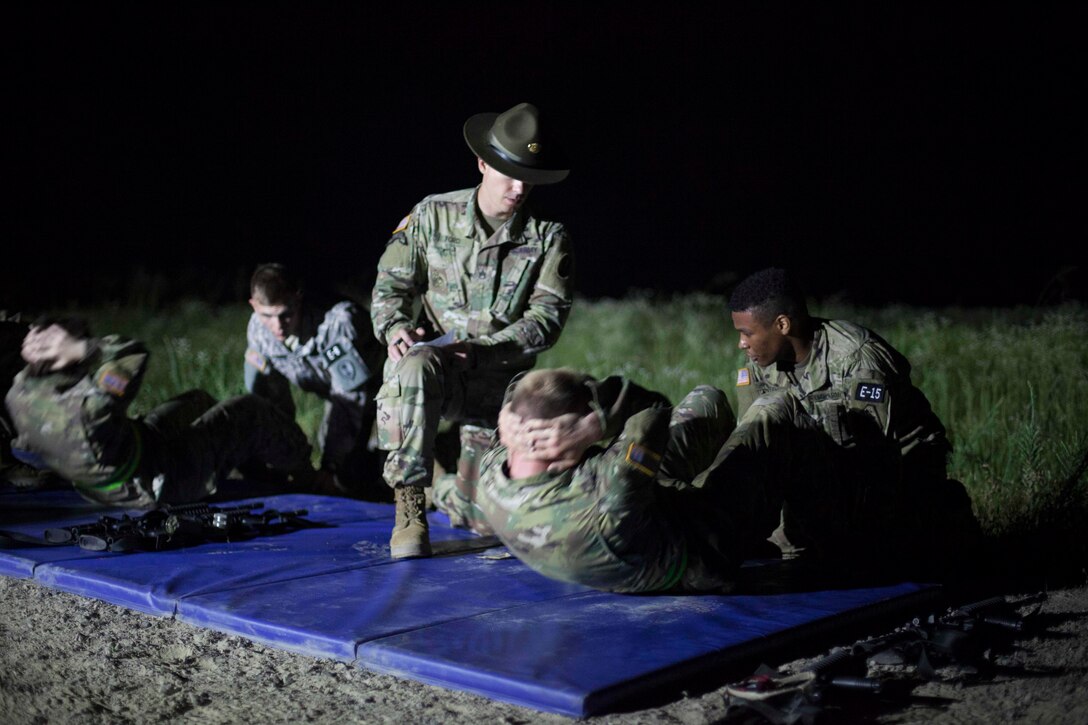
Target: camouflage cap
[[510, 142]]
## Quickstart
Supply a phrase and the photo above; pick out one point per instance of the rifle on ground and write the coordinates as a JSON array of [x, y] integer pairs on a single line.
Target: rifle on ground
[[961, 636], [172, 526]]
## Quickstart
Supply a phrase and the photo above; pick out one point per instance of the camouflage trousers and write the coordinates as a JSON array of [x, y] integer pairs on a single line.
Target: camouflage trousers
[[422, 389], [191, 441], [780, 477], [347, 449], [697, 428]]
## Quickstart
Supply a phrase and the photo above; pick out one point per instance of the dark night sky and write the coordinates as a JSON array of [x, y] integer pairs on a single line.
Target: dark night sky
[[897, 153]]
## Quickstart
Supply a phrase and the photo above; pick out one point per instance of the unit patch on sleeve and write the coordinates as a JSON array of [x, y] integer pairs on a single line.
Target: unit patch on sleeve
[[113, 381], [256, 360], [643, 459], [869, 392], [347, 369], [743, 377]]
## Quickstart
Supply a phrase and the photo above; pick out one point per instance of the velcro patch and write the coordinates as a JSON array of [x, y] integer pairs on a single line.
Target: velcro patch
[[334, 353], [113, 382], [869, 392], [643, 459], [347, 369], [258, 361], [743, 377]]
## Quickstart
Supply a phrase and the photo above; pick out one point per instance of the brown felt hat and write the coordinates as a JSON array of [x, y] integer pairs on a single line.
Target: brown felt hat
[[510, 142]]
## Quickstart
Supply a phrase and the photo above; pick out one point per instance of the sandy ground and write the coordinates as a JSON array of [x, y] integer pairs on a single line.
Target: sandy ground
[[67, 659]]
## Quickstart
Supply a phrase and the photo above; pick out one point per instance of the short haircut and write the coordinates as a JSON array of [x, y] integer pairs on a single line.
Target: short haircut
[[75, 326], [551, 393], [769, 293], [274, 284]]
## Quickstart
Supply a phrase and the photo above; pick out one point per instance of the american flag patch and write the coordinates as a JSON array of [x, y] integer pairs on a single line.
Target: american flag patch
[[256, 359], [113, 382], [743, 378], [643, 459]]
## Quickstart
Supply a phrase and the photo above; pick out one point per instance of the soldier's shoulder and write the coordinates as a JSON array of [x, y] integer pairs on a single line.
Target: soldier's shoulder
[[862, 346], [546, 229], [461, 196], [343, 315], [342, 309], [844, 336]]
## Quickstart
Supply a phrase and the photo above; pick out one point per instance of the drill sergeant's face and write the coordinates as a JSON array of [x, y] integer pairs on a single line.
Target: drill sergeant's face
[[763, 342], [281, 320], [500, 196]]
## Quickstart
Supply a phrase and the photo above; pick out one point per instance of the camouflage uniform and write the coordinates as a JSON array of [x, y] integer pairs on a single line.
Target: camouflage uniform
[[856, 388], [508, 293], [73, 421], [12, 332], [634, 515], [336, 358], [678, 501]]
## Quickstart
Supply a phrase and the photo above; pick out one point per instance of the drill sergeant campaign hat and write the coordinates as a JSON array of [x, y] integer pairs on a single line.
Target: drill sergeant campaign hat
[[510, 142]]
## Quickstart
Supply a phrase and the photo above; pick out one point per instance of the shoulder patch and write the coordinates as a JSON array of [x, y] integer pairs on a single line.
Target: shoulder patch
[[256, 360], [113, 381], [403, 224], [346, 368], [643, 459], [334, 353], [869, 392], [563, 267], [743, 377]]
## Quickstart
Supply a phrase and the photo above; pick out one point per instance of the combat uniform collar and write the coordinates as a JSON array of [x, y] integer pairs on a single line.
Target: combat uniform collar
[[815, 367], [510, 232], [817, 358]]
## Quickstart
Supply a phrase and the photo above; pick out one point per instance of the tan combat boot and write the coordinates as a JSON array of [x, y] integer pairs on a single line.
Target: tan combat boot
[[410, 537]]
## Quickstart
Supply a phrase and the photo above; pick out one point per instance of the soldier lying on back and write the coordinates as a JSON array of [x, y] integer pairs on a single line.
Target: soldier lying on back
[[597, 483], [329, 351], [603, 484], [69, 408]]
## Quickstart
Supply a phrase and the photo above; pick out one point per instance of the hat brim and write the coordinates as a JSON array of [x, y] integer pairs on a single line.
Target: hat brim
[[476, 132]]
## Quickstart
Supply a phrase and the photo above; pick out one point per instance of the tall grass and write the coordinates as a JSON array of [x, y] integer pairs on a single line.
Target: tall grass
[[1011, 385]]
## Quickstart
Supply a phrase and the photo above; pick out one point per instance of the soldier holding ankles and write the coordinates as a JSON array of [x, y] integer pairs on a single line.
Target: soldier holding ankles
[[857, 389], [667, 498], [488, 286]]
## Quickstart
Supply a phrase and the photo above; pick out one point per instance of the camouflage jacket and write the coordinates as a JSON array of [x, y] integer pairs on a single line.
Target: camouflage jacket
[[336, 357], [858, 388], [74, 422], [602, 523], [509, 293]]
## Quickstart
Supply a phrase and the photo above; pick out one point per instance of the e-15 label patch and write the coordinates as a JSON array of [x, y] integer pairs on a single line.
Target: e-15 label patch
[[869, 392]]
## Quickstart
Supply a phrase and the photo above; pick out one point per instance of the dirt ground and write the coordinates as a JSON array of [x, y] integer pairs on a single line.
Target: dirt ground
[[67, 659]]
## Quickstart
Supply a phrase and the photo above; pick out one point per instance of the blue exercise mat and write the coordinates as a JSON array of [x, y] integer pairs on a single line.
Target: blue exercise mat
[[353, 534], [469, 618], [28, 514], [587, 654], [331, 614]]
